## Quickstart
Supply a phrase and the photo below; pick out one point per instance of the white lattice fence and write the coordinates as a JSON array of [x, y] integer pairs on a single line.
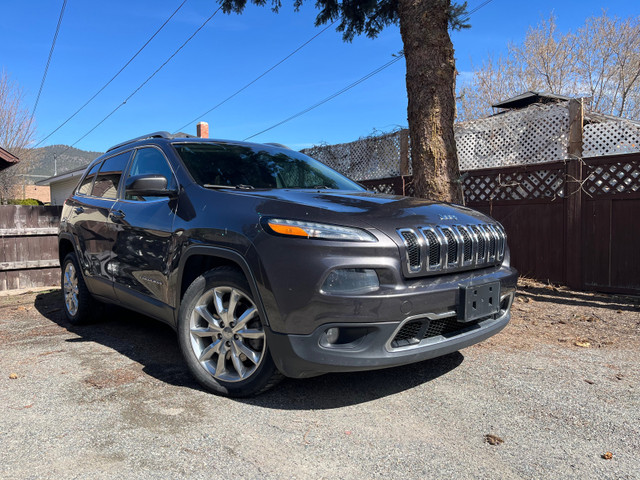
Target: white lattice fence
[[532, 135], [610, 138]]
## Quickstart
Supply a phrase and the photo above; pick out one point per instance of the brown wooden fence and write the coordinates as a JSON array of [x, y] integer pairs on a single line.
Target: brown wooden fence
[[574, 222], [29, 254]]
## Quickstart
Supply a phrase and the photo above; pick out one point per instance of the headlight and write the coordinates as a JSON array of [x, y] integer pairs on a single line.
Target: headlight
[[297, 228]]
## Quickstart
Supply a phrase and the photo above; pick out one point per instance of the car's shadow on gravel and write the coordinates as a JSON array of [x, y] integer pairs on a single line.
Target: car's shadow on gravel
[[154, 345], [554, 295]]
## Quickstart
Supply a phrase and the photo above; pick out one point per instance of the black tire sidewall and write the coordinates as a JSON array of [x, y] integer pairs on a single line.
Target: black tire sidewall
[[260, 379]]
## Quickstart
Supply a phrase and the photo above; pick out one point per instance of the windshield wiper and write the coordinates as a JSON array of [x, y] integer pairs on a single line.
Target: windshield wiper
[[240, 186], [321, 187]]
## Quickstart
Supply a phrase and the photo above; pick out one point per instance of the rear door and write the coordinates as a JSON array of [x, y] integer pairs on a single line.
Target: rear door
[[145, 240], [95, 233]]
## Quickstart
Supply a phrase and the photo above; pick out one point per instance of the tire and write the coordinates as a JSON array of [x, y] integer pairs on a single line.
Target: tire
[[79, 305], [222, 337]]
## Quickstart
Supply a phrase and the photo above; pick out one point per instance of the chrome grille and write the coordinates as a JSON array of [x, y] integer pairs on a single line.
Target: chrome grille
[[438, 248]]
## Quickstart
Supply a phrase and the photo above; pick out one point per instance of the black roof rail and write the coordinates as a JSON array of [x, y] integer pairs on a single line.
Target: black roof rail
[[161, 134]]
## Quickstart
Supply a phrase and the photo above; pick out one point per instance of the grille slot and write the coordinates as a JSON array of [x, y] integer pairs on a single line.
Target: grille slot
[[481, 242], [467, 244], [452, 246], [437, 248], [434, 248], [413, 248]]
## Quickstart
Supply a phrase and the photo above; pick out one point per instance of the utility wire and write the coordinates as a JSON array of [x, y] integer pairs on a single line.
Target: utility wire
[[115, 76], [258, 77], [147, 80], [349, 87], [46, 68], [486, 2], [332, 96]]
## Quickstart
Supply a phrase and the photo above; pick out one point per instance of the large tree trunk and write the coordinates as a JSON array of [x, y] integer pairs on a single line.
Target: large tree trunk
[[431, 90]]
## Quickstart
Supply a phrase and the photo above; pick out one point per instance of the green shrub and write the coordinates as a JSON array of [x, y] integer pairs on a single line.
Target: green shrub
[[26, 201]]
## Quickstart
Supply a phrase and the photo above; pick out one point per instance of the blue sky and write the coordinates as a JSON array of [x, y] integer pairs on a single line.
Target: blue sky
[[97, 38]]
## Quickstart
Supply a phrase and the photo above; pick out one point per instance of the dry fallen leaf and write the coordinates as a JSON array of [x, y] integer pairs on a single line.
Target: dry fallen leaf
[[607, 455], [493, 439], [13, 376], [582, 344]]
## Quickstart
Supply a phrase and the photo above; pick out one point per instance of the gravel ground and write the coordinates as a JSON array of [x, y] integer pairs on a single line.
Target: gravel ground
[[556, 391]]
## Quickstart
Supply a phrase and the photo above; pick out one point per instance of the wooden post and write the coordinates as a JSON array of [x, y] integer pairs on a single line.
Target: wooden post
[[576, 121], [573, 192], [404, 152]]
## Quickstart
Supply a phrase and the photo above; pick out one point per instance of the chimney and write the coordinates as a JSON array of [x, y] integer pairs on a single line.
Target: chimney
[[203, 130]]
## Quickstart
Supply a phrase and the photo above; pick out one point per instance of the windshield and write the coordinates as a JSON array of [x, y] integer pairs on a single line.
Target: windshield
[[257, 166]]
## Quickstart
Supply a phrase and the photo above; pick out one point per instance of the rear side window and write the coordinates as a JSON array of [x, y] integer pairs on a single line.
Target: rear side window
[[85, 186], [108, 178]]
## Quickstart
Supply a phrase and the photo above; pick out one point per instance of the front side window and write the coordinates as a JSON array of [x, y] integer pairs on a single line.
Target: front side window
[[108, 178], [260, 166], [150, 161]]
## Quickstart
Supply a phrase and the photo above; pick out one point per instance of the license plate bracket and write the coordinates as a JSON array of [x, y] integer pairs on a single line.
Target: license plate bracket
[[478, 301]]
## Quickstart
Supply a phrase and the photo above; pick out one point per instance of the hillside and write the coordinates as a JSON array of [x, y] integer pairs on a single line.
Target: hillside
[[43, 162]]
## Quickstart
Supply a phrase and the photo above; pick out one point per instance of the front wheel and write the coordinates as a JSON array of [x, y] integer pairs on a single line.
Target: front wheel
[[222, 337]]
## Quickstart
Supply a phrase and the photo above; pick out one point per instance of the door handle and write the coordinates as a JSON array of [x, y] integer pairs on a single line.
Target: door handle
[[117, 215], [78, 209]]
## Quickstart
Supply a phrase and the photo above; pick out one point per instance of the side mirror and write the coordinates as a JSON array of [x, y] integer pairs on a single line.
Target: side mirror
[[148, 186]]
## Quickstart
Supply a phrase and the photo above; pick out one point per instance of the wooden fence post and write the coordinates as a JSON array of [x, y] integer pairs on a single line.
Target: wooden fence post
[[573, 203]]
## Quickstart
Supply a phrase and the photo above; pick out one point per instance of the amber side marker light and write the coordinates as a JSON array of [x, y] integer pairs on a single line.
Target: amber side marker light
[[318, 231], [288, 230]]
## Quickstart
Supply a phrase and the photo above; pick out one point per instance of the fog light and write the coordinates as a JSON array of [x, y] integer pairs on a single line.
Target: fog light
[[331, 335], [351, 281]]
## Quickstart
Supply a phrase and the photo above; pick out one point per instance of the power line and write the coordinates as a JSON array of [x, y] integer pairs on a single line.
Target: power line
[[46, 68], [258, 77], [349, 87], [332, 96], [486, 2], [115, 76], [148, 78]]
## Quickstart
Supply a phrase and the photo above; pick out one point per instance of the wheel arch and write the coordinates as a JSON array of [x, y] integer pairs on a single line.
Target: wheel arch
[[197, 260], [65, 246]]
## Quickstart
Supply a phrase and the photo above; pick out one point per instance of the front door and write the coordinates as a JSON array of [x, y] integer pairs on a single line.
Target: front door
[[144, 243]]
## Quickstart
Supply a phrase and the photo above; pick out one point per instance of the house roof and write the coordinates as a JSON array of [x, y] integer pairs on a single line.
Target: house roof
[[7, 159], [527, 98], [63, 176]]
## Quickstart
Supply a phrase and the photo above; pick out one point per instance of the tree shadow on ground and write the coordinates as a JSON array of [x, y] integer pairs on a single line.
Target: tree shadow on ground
[[154, 345], [580, 299]]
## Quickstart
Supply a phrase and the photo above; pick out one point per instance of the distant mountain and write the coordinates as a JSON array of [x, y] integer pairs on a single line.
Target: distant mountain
[[56, 159]]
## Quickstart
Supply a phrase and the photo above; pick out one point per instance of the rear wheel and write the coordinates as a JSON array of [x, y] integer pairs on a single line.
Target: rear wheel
[[78, 302], [222, 337]]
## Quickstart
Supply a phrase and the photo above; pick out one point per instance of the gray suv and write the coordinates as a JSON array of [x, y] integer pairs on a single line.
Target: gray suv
[[268, 263]]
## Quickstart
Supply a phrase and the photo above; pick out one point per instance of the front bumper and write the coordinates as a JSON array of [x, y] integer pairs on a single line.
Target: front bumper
[[301, 356]]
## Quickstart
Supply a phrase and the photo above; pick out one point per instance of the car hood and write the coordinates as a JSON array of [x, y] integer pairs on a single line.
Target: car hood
[[385, 212]]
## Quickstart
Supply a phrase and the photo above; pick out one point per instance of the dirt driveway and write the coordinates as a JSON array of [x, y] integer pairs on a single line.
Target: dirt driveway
[[555, 391]]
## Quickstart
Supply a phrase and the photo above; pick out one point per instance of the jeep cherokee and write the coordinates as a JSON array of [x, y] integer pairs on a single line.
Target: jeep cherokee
[[269, 263]]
